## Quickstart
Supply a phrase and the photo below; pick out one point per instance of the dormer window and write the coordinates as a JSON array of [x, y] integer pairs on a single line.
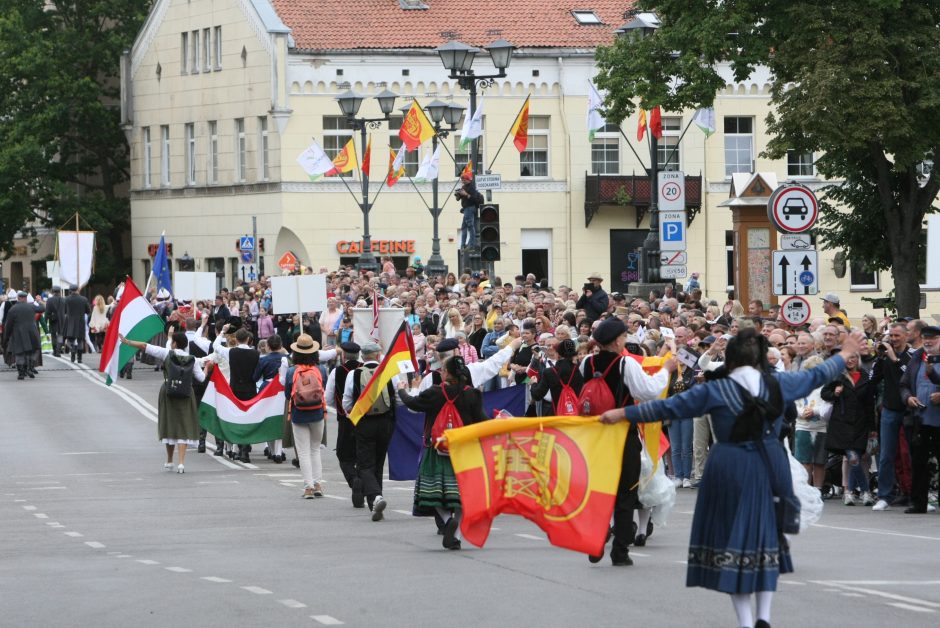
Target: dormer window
[[586, 18]]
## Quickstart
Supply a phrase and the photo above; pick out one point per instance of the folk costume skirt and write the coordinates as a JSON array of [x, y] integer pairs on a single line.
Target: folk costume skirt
[[177, 419], [735, 546], [436, 486]]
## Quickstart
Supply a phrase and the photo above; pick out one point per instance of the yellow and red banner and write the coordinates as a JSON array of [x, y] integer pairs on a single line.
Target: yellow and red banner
[[653, 440], [520, 128], [396, 167], [559, 472], [345, 160], [415, 127], [402, 349], [367, 158], [656, 122], [641, 126]]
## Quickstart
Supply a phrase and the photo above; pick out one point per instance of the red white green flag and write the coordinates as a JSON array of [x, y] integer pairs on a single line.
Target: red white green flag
[[133, 318]]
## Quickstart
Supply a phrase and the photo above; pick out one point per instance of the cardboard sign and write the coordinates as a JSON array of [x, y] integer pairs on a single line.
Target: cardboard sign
[[687, 358], [297, 294], [189, 286]]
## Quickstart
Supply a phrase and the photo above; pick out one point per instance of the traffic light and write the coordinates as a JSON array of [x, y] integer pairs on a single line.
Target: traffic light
[[489, 233]]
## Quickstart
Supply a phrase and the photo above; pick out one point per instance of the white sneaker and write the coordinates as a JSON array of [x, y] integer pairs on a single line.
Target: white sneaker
[[167, 466], [686, 483], [378, 507], [931, 508], [677, 482], [867, 499], [848, 498], [880, 505], [180, 469]]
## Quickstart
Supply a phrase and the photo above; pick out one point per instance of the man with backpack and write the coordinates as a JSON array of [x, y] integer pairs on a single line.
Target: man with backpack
[[612, 381], [561, 382], [374, 430], [345, 434]]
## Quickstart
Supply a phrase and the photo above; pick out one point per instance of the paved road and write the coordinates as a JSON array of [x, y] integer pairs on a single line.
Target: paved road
[[94, 533]]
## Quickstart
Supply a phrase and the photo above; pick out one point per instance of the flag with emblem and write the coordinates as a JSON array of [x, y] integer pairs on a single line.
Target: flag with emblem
[[595, 121], [520, 128], [559, 472], [415, 127], [345, 160], [396, 166], [641, 126], [315, 162]]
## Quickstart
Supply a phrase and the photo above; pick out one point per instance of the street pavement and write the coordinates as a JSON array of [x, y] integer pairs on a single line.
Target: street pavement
[[93, 532]]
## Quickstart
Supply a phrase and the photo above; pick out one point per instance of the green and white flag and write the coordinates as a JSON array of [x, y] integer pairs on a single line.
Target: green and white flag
[[595, 121], [472, 125], [430, 166], [134, 319], [315, 161], [705, 119]]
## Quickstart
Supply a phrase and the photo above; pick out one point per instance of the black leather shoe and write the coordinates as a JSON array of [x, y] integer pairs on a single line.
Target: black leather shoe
[[762, 624], [914, 510], [450, 532], [219, 451], [295, 462], [277, 459], [640, 540], [358, 499], [202, 447], [620, 557], [267, 453]]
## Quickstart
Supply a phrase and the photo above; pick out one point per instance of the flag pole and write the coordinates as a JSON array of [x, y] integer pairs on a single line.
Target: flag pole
[[505, 137], [632, 150], [679, 141], [78, 257]]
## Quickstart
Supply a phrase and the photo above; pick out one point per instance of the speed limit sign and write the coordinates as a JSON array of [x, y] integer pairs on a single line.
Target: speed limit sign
[[671, 191]]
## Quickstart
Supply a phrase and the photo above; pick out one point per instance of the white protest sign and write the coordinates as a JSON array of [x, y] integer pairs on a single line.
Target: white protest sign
[[390, 319], [296, 294], [189, 286]]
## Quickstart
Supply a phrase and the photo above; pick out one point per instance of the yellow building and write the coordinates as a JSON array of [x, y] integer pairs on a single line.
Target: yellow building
[[221, 96]]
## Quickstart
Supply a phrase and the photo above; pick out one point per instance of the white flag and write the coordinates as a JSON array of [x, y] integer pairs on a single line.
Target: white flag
[[399, 158], [472, 125], [434, 165], [705, 120], [595, 121], [315, 161], [422, 174]]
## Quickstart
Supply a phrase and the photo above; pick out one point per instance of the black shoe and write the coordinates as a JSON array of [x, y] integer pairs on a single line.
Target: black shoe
[[267, 453], [72, 356], [202, 446], [29, 374], [277, 459], [295, 462], [57, 354], [80, 358], [640, 540], [358, 499], [620, 557], [450, 533], [455, 545], [244, 458], [219, 451], [915, 510], [22, 375], [649, 528], [901, 500], [33, 370], [761, 624], [130, 375], [596, 558]]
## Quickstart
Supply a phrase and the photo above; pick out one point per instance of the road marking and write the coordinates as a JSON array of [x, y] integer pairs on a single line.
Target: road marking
[[74, 534], [910, 607], [681, 562], [45, 488], [339, 497], [124, 556], [29, 508], [279, 475], [219, 482], [147, 562], [40, 515], [178, 569], [257, 590], [54, 524], [83, 453], [531, 537], [884, 594], [407, 513], [639, 554], [292, 603], [796, 582], [17, 501], [899, 583], [95, 544], [402, 488], [876, 531], [215, 579], [850, 594], [326, 620]]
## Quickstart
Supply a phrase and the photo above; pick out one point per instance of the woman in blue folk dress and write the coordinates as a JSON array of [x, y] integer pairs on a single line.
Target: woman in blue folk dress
[[735, 546]]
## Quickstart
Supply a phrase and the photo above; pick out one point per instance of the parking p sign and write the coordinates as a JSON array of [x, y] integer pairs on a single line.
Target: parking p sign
[[672, 231]]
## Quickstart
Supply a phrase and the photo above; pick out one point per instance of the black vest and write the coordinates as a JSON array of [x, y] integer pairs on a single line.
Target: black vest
[[242, 363], [342, 372]]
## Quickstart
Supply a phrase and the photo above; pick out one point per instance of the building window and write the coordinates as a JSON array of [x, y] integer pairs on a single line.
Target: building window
[[206, 51], [147, 157], [191, 154], [241, 151], [184, 53], [194, 52], [533, 162], [800, 164], [739, 145], [667, 153], [217, 41], [605, 150], [586, 17], [729, 259], [394, 142], [213, 166], [335, 136], [862, 278], [165, 155], [263, 148]]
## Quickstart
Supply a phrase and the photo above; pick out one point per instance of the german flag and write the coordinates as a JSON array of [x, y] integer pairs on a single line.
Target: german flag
[[402, 350], [559, 472], [520, 128]]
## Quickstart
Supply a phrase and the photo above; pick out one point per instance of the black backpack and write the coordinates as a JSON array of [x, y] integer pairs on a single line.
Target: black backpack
[[178, 373]]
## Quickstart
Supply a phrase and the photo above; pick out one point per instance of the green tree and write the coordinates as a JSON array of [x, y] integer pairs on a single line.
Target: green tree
[[62, 149], [856, 83]]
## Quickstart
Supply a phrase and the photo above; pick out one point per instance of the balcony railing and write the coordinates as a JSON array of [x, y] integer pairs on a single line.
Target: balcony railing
[[633, 191]]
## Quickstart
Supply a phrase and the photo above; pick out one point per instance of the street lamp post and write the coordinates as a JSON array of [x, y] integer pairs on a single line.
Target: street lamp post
[[349, 103], [458, 59]]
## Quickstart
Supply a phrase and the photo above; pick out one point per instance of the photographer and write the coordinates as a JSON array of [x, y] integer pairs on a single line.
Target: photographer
[[594, 300], [920, 391], [894, 355], [470, 201]]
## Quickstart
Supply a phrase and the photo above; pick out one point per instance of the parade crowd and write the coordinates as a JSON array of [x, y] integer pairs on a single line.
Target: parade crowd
[[856, 399]]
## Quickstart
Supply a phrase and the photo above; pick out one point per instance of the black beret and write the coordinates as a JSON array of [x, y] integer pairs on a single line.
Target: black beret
[[609, 330], [930, 332], [235, 322], [350, 347], [447, 344]]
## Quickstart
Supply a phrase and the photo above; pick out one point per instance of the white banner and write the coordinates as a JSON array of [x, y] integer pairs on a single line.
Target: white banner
[[189, 286], [390, 319], [298, 294], [76, 257]]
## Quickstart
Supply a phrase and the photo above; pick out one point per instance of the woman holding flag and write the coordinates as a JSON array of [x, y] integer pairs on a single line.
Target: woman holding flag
[[436, 487]]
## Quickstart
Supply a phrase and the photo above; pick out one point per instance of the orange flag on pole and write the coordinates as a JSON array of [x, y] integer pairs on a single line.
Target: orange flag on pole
[[559, 472], [396, 166], [367, 158], [641, 126], [520, 128], [415, 127]]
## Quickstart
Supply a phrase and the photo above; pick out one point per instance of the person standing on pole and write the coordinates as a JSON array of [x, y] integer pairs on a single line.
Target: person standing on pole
[[470, 202]]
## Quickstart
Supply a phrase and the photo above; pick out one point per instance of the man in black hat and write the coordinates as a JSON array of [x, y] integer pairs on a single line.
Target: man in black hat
[[626, 381], [20, 334], [345, 434], [77, 308], [480, 372], [594, 300], [55, 314]]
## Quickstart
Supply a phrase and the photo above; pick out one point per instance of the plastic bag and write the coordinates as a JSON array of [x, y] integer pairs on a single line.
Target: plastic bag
[[656, 491], [811, 503]]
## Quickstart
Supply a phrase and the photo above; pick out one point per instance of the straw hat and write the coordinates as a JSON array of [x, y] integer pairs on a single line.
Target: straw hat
[[305, 344]]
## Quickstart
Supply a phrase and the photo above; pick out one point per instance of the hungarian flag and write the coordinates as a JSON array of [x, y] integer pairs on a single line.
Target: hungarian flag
[[134, 319], [520, 128], [559, 472], [367, 158], [396, 166], [345, 160], [415, 127], [656, 122], [705, 120], [402, 350], [236, 421], [641, 126]]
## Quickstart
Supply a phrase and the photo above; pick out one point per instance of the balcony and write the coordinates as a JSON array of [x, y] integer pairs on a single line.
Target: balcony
[[633, 191]]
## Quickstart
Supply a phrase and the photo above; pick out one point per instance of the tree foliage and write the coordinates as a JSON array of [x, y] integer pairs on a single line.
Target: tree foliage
[[856, 83], [61, 146]]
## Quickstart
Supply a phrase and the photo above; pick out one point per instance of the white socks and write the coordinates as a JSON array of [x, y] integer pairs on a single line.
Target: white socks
[[742, 606], [764, 598], [644, 515]]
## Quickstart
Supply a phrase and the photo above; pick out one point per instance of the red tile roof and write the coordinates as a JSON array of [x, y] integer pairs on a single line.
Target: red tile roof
[[368, 24]]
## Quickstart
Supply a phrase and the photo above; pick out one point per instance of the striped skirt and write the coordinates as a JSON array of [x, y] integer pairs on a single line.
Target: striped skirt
[[436, 486]]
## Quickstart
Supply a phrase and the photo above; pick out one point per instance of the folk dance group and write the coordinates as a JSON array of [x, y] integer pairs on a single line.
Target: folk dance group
[[736, 545]]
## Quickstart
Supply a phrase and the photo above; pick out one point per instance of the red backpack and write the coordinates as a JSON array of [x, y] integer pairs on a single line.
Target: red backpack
[[307, 389], [447, 419], [567, 404], [596, 396]]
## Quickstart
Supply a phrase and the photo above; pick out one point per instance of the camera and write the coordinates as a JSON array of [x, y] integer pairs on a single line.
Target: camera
[[882, 348], [933, 359]]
